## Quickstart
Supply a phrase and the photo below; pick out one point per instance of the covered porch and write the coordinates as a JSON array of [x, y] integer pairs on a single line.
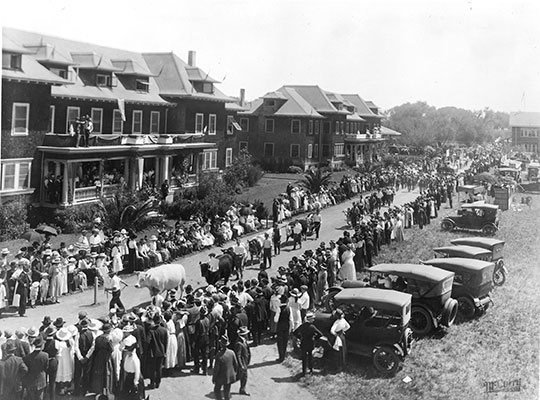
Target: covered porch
[[75, 175], [361, 148]]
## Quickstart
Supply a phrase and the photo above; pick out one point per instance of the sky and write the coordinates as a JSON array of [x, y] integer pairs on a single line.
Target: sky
[[468, 54]]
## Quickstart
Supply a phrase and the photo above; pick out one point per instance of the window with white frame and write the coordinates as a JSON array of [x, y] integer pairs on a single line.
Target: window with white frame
[[97, 119], [228, 156], [103, 80], [310, 127], [52, 111], [212, 118], [118, 122], [154, 122], [337, 127], [295, 150], [136, 125], [295, 126], [73, 114], [210, 159], [269, 125], [19, 121], [317, 127], [244, 124], [11, 61], [16, 174], [243, 145], [338, 149], [199, 121], [310, 151], [269, 149]]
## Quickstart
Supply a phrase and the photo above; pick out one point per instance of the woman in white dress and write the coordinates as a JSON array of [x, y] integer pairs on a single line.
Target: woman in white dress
[[171, 355], [338, 329], [116, 255], [348, 271], [65, 356], [55, 288]]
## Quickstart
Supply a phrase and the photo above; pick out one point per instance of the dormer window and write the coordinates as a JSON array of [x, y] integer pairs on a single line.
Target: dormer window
[[270, 102], [204, 87], [103, 80], [61, 72], [11, 61], [142, 84]]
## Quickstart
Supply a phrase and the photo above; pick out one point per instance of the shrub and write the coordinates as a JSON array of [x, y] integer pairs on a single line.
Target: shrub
[[12, 220], [254, 174], [242, 172], [76, 218]]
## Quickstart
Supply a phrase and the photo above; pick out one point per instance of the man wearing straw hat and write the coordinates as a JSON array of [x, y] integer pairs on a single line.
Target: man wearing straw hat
[[308, 334]]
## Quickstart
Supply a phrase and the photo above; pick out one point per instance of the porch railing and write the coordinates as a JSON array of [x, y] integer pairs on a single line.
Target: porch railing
[[93, 193]]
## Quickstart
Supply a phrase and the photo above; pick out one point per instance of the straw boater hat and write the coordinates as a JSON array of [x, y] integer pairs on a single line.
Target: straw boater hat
[[243, 331], [63, 334], [5, 251], [295, 292], [130, 342], [310, 316], [153, 238], [95, 325], [50, 332], [128, 328], [102, 255], [32, 332]]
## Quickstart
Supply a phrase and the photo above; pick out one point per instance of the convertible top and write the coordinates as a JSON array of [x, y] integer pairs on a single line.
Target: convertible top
[[368, 296], [467, 263], [486, 243], [479, 204], [414, 271], [463, 249]]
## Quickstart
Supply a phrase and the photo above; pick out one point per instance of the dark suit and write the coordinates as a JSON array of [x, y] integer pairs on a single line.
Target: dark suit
[[308, 334], [225, 369], [243, 356], [157, 338], [282, 331], [12, 370], [202, 342], [82, 367], [35, 380]]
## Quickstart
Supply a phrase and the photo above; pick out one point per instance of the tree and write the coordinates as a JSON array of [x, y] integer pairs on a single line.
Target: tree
[[242, 172], [315, 179]]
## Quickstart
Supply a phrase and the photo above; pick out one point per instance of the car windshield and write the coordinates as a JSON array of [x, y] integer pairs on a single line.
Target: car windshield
[[371, 317]]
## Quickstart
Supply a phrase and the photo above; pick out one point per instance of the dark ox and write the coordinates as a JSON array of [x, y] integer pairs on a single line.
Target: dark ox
[[226, 264]]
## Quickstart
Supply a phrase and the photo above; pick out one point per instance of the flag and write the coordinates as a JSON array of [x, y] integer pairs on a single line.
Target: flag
[[205, 130], [122, 108]]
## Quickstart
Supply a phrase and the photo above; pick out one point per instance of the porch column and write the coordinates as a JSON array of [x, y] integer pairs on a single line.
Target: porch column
[[140, 171], [165, 168], [370, 152], [127, 168], [101, 173], [65, 185]]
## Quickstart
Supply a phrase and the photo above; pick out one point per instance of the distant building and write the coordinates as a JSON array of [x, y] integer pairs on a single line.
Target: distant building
[[525, 127], [308, 126], [154, 118]]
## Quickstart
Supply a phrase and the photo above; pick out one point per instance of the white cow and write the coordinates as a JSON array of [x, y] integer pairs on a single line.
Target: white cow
[[163, 277]]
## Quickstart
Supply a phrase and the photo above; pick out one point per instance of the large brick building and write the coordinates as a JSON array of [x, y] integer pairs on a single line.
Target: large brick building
[[307, 126], [154, 117], [525, 127]]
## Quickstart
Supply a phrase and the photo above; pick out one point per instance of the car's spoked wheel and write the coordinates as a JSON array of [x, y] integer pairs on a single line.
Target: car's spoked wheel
[[421, 322], [447, 226], [499, 276], [385, 360]]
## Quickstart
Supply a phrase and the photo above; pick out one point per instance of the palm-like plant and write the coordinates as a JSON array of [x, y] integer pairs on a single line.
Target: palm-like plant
[[315, 179]]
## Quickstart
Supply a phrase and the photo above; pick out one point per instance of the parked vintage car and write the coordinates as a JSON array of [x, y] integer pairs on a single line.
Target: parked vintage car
[[477, 216], [379, 322], [533, 171], [512, 173], [473, 282], [495, 246], [431, 289]]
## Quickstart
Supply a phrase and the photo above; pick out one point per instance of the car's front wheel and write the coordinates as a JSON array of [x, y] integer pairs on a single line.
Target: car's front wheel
[[421, 321], [489, 230], [385, 360], [447, 225], [466, 308]]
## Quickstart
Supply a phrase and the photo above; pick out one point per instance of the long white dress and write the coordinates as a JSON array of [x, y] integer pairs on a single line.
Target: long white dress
[[296, 316], [171, 356], [348, 270], [65, 357], [116, 256]]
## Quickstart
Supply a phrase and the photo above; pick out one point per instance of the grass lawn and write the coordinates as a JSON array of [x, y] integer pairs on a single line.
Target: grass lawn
[[502, 345]]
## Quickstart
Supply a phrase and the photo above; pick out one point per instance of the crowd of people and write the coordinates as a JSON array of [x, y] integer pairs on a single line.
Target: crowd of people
[[208, 329]]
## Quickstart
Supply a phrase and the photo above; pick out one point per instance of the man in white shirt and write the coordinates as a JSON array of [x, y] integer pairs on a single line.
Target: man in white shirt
[[317, 220], [116, 290], [267, 251], [240, 256], [303, 300], [297, 235]]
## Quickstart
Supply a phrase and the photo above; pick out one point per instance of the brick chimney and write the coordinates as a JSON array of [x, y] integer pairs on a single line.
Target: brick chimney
[[192, 58], [242, 97]]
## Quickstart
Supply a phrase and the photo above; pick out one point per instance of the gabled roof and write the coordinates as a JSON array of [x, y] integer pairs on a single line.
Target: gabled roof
[[88, 56], [315, 96], [195, 74], [296, 106], [354, 117], [525, 119], [370, 104], [131, 67], [275, 95], [9, 46], [361, 107], [254, 106], [48, 54], [33, 71], [173, 79]]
